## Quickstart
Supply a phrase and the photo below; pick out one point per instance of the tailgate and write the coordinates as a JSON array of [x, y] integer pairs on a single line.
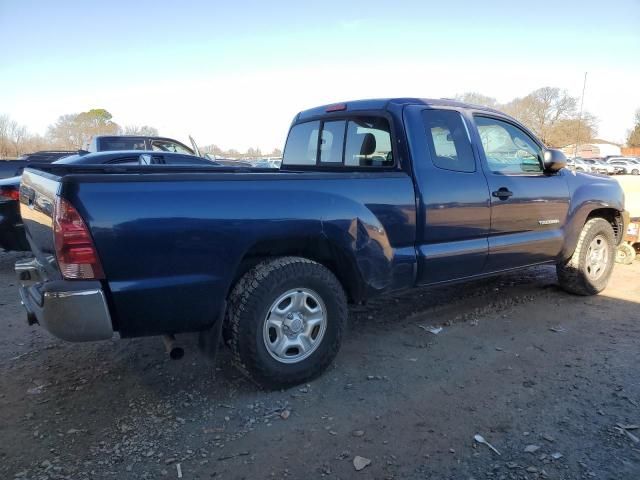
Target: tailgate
[[38, 192]]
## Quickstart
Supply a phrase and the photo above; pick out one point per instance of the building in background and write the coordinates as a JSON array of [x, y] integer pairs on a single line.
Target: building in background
[[596, 149]]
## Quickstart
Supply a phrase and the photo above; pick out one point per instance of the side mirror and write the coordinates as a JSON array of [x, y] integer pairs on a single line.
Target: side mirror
[[554, 160]]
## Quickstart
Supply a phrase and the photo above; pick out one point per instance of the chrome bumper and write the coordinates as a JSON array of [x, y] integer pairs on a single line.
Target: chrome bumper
[[73, 311]]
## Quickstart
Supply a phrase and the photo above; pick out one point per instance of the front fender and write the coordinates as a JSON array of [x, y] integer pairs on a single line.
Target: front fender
[[589, 193]]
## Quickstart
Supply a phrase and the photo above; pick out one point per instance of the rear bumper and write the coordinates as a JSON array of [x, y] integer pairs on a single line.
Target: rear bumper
[[72, 311]]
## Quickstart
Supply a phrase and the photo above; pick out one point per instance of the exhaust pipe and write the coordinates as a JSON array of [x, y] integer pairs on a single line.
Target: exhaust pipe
[[175, 351]]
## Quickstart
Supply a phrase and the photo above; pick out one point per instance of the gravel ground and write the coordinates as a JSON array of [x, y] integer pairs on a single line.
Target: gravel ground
[[544, 376]]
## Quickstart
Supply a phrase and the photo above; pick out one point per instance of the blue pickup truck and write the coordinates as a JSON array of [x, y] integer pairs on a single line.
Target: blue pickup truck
[[372, 197]]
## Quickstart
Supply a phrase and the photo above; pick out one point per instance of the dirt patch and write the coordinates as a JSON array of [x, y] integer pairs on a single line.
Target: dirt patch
[[517, 361]]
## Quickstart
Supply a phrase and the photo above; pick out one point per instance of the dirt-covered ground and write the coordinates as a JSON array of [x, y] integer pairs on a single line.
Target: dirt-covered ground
[[547, 378]]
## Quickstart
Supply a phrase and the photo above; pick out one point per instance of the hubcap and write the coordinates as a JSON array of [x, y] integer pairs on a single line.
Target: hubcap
[[295, 325], [597, 257]]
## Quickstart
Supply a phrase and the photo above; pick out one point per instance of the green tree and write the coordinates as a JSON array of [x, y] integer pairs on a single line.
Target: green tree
[[72, 130], [633, 140]]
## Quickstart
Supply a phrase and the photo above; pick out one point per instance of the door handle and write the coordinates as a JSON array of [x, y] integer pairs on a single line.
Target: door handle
[[502, 193]]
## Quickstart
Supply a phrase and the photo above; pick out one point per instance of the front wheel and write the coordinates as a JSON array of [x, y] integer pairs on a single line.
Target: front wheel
[[635, 171], [588, 270], [285, 321]]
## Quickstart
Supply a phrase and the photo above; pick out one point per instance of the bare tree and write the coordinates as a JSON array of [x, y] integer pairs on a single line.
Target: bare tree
[[141, 130], [476, 98], [571, 130], [633, 139], [4, 136], [17, 135], [542, 109]]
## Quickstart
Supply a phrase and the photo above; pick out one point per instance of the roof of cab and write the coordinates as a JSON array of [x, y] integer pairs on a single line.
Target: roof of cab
[[385, 104]]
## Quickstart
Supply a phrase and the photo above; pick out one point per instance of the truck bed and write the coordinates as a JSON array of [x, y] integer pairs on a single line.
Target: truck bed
[[173, 239]]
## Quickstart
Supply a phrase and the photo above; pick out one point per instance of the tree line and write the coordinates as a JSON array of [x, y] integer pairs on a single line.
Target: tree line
[[552, 114], [71, 131], [549, 112]]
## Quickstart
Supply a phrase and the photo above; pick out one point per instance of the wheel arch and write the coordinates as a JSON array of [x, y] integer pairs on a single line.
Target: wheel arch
[[613, 216], [319, 249], [572, 233]]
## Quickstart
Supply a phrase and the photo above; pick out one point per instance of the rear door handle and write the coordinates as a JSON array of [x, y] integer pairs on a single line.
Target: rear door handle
[[502, 193]]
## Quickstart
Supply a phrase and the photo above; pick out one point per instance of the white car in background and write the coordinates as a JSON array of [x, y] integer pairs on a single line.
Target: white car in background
[[579, 165], [625, 166]]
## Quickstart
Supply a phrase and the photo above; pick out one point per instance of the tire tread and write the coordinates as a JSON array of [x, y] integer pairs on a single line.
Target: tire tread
[[245, 300]]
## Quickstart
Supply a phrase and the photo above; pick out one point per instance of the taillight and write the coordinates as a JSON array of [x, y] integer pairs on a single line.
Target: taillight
[[9, 193], [76, 254]]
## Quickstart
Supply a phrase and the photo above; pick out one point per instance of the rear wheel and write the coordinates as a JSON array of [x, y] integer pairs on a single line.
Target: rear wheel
[[635, 171], [588, 270], [286, 318], [625, 254]]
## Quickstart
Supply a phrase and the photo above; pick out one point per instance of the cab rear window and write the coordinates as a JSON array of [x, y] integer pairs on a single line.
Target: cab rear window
[[357, 142]]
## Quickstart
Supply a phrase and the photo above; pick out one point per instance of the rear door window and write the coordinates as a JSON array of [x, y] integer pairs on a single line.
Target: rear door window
[[448, 141]]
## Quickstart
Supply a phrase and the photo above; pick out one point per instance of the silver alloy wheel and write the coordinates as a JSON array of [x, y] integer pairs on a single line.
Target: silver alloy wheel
[[597, 257], [295, 325]]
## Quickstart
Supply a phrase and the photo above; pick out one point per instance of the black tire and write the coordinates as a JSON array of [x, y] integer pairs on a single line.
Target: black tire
[[249, 304], [573, 275], [634, 171], [625, 254]]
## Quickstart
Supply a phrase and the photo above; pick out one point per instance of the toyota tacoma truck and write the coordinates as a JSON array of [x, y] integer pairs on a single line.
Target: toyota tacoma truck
[[373, 196]]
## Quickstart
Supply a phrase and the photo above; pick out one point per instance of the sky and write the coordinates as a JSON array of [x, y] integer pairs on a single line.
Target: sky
[[236, 73]]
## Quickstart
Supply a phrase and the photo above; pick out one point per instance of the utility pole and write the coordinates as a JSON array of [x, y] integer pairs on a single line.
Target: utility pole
[[584, 86]]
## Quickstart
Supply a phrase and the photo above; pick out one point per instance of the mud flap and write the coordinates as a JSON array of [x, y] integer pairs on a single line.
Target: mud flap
[[209, 340]]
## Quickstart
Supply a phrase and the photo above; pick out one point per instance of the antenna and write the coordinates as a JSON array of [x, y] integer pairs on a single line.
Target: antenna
[[584, 86]]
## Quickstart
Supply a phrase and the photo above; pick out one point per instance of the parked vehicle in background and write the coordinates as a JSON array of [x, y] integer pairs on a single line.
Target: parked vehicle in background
[[626, 167], [135, 157], [608, 168], [11, 229], [12, 235], [267, 163], [372, 197], [102, 143], [579, 165], [11, 168], [597, 166], [228, 162], [608, 158]]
